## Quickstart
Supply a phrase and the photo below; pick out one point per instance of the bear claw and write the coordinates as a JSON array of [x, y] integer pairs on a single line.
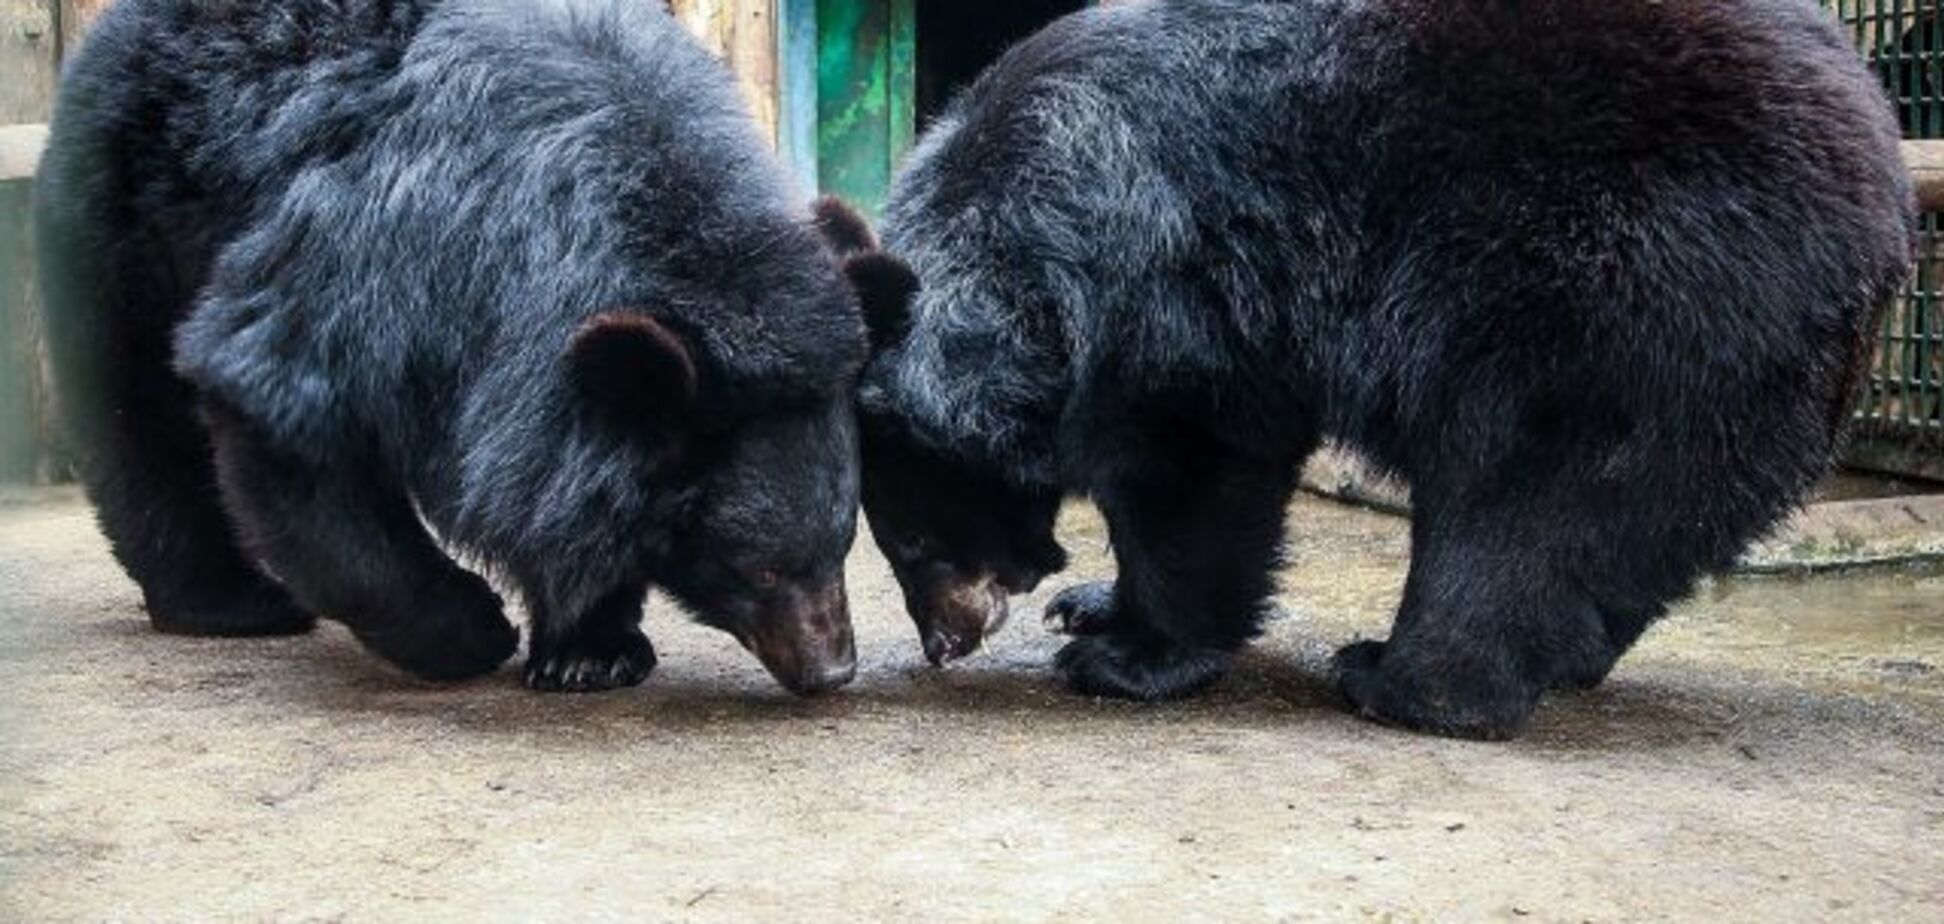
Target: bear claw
[[1083, 609], [585, 666]]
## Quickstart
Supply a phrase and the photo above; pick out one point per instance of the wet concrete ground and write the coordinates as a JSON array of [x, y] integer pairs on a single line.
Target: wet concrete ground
[[1773, 752]]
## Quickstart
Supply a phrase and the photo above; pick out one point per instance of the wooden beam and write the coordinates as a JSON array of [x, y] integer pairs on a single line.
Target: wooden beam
[[1913, 457], [26, 428], [30, 39], [76, 17], [743, 33], [751, 51], [1926, 162], [20, 150]]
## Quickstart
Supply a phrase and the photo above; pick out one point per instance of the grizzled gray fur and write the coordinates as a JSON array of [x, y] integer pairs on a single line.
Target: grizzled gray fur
[[1597, 278], [522, 268]]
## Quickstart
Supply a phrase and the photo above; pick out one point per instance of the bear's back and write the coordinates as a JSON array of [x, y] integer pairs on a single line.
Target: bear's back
[[1576, 193], [519, 168], [1367, 205]]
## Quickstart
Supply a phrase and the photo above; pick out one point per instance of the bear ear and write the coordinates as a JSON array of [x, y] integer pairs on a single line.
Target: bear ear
[[843, 228], [884, 287], [631, 361]]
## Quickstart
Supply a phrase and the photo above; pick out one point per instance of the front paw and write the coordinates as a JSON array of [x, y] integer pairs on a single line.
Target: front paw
[[1456, 699], [1083, 609], [456, 632], [1145, 670], [590, 664]]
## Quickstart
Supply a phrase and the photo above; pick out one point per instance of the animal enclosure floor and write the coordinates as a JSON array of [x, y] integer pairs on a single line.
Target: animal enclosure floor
[[1773, 752]]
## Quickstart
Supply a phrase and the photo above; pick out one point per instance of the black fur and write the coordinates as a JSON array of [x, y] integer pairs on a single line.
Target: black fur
[[522, 268], [848, 232], [1597, 278]]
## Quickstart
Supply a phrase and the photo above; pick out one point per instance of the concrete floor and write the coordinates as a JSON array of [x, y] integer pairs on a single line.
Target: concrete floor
[[1775, 752]]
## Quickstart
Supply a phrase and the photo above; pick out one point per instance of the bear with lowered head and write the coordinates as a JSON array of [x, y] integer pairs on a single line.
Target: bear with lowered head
[[1598, 280], [322, 274]]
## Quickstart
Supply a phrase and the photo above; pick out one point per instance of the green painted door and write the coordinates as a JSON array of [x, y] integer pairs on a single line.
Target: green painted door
[[866, 113]]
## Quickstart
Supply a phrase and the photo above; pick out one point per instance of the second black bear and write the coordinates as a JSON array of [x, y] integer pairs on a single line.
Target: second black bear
[[1598, 279], [523, 271]]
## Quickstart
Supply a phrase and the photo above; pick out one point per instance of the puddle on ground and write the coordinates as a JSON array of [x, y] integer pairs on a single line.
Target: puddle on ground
[[1849, 486], [1889, 609], [1347, 568]]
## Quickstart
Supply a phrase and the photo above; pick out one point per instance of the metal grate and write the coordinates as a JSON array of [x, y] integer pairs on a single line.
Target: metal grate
[[1901, 38], [1904, 405], [1905, 400]]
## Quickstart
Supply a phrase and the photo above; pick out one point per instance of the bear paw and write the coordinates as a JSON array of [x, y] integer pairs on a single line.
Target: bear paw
[[590, 664], [1138, 669], [1083, 609], [1451, 699], [258, 610], [457, 633]]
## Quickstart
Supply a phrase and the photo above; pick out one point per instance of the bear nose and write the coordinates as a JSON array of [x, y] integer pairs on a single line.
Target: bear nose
[[804, 638], [956, 615], [825, 677]]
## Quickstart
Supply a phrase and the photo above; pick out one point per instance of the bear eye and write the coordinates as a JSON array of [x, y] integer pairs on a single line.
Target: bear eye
[[766, 580]]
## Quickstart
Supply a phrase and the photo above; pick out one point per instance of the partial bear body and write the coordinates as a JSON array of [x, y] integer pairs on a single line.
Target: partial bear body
[[525, 270], [1596, 278]]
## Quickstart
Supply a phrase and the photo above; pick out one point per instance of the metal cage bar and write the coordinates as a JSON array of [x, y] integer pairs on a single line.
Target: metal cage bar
[[1903, 404]]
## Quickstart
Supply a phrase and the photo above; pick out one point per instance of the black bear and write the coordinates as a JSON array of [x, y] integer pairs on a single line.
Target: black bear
[[524, 271], [1596, 278]]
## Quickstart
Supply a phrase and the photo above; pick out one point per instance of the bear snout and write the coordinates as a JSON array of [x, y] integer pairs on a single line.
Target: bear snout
[[955, 616], [804, 638]]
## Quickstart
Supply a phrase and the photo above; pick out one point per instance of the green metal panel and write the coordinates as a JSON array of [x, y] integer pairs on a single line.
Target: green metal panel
[[1903, 410], [865, 78], [1902, 39], [903, 83]]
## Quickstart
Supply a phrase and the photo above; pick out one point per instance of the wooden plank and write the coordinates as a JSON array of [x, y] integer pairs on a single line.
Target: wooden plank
[[1832, 535], [25, 421], [20, 145], [75, 18], [742, 33], [751, 50], [1915, 458], [1342, 475], [1926, 162], [29, 43], [20, 150]]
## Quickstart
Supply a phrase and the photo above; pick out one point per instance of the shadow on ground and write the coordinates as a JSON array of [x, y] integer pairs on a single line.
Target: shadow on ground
[[1772, 751]]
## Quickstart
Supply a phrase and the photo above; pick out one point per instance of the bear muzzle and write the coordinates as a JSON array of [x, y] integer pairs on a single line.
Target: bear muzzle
[[955, 615], [804, 638]]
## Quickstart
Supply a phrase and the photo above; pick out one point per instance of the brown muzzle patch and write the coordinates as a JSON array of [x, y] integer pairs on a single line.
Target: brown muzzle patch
[[804, 638]]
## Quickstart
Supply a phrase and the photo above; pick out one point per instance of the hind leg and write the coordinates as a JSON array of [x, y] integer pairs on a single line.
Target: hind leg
[[110, 297], [604, 649], [1624, 626], [348, 543], [1502, 604], [148, 467], [1195, 538]]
